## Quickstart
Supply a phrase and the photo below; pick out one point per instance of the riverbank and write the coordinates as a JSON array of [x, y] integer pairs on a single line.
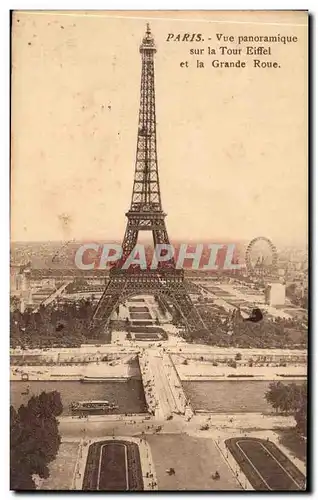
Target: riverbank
[[196, 371], [100, 370]]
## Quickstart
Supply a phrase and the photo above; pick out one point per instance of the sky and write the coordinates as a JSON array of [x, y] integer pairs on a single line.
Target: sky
[[232, 143]]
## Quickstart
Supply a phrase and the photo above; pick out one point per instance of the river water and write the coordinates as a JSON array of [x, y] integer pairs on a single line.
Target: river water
[[229, 396], [128, 395]]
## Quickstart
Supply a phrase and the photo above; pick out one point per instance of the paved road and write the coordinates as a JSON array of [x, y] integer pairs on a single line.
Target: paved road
[[177, 348], [130, 426]]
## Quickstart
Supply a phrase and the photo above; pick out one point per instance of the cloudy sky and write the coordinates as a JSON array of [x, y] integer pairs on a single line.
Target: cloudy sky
[[232, 143]]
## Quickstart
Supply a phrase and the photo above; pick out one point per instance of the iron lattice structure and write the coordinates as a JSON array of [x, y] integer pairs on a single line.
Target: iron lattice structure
[[146, 214]]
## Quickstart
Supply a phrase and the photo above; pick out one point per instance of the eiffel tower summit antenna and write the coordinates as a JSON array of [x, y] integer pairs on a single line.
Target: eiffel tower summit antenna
[[146, 214], [148, 40]]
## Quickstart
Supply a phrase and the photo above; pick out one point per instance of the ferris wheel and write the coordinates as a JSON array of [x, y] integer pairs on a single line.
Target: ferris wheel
[[261, 257]]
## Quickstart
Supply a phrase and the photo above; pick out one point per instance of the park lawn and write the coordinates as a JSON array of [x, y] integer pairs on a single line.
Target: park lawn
[[140, 315], [113, 465], [265, 465], [293, 442]]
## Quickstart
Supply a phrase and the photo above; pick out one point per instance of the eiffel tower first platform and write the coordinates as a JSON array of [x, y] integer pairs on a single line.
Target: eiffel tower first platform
[[146, 214]]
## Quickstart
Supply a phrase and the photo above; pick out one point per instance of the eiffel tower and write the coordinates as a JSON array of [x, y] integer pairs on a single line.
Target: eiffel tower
[[146, 214]]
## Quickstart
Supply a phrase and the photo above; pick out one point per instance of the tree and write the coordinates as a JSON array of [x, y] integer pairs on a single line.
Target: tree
[[231, 363], [202, 333], [35, 439], [290, 398], [301, 417], [276, 395], [14, 303]]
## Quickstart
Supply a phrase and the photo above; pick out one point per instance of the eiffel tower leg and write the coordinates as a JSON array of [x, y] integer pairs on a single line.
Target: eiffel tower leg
[[129, 242], [188, 311], [160, 234], [109, 300]]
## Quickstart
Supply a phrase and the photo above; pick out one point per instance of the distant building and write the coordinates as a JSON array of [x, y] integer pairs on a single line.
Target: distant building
[[275, 294], [20, 284], [16, 278]]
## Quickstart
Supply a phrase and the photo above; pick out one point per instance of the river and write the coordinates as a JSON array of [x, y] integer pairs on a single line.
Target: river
[[129, 395], [229, 396]]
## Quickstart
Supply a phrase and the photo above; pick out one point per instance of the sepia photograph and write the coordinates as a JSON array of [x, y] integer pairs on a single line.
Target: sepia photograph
[[159, 250]]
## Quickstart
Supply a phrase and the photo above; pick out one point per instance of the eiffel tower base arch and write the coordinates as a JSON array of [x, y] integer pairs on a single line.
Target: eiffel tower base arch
[[172, 289]]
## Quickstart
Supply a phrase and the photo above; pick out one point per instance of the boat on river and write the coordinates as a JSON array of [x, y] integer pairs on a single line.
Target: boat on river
[[92, 406]]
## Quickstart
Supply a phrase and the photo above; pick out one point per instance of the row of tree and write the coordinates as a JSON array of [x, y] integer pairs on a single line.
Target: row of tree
[[34, 439], [233, 331], [290, 399], [65, 324]]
